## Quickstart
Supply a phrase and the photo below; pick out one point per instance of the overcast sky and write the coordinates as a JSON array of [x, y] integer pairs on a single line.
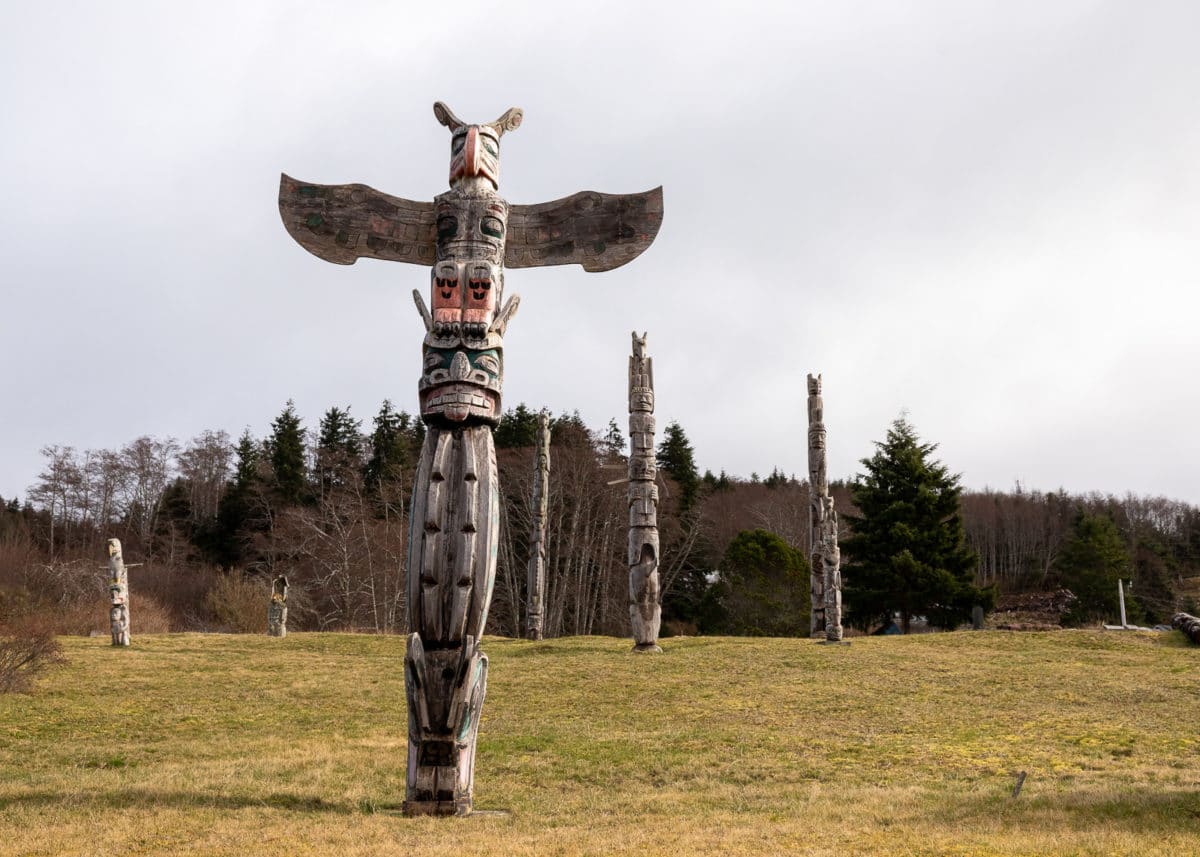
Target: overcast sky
[[984, 213]]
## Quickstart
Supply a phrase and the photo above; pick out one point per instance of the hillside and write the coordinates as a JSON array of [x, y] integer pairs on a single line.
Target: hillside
[[234, 745]]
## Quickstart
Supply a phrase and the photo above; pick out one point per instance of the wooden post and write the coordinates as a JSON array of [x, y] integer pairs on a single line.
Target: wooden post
[[277, 609], [536, 583], [824, 555], [645, 610], [118, 592], [467, 236], [1121, 599]]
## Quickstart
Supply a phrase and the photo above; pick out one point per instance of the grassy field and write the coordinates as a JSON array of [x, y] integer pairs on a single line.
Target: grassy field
[[238, 745]]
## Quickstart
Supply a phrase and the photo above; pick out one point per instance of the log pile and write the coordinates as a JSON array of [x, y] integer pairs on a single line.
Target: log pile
[[1189, 624]]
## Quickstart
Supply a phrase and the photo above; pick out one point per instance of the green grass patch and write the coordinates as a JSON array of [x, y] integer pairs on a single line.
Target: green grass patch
[[232, 745]]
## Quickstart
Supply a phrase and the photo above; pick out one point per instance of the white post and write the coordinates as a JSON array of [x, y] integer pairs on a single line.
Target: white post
[[1121, 596]]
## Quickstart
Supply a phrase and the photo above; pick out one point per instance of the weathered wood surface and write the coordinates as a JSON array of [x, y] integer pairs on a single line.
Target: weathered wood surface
[[645, 610], [599, 231], [277, 609], [1189, 625], [536, 572], [466, 235], [118, 594], [452, 569], [824, 554]]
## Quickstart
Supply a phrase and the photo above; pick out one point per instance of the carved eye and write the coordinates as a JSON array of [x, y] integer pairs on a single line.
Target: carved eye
[[488, 363], [492, 226], [447, 227], [433, 360], [457, 145]]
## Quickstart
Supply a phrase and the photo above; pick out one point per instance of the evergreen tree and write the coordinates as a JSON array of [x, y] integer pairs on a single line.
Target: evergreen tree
[[1090, 563], [908, 552], [762, 590], [676, 458], [226, 539], [285, 450], [389, 447], [339, 448], [613, 442], [518, 428]]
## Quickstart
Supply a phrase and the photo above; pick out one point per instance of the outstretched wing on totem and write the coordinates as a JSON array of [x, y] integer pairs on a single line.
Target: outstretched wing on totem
[[345, 222], [599, 231]]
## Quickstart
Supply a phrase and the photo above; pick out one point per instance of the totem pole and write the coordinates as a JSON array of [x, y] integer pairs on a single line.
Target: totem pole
[[536, 583], [118, 592], [277, 609], [826, 577], [645, 612], [468, 235]]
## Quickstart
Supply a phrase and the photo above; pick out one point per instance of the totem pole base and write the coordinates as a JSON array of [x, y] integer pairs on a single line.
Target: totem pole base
[[460, 808], [646, 649]]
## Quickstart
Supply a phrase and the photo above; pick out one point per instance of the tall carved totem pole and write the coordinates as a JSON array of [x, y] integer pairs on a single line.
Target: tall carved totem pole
[[118, 594], [467, 235], [536, 583], [645, 610], [825, 555]]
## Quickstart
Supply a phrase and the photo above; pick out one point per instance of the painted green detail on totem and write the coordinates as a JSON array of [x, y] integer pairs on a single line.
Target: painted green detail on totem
[[492, 226], [342, 237], [314, 220], [309, 190], [599, 246]]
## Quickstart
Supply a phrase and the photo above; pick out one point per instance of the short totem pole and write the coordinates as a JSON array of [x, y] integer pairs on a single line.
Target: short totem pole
[[825, 556], [536, 583], [118, 594], [645, 611], [467, 235], [277, 609]]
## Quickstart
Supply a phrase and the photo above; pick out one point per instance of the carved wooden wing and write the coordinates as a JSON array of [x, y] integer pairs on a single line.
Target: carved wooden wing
[[600, 231], [343, 222]]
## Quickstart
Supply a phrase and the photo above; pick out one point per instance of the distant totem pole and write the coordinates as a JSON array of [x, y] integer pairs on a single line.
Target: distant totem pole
[[468, 235], [536, 583], [825, 556], [277, 609], [118, 594], [645, 611]]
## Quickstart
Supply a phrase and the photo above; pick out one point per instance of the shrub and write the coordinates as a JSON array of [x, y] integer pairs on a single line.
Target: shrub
[[239, 604], [26, 650]]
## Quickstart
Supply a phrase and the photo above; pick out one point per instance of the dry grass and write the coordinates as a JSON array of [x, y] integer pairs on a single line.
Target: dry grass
[[234, 745]]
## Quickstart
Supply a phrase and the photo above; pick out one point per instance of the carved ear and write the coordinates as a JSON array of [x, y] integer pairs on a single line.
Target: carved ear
[[446, 117], [510, 121]]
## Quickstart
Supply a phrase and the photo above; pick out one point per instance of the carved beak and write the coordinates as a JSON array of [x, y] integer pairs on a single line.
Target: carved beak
[[471, 153]]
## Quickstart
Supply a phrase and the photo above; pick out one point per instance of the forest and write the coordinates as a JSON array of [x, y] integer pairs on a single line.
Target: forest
[[210, 522]]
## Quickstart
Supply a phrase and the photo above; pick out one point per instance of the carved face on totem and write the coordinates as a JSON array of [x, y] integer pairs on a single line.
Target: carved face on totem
[[114, 548], [461, 383], [814, 385], [475, 149]]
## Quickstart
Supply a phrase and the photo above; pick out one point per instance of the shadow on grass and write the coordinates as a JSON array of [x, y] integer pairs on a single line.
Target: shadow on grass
[[142, 798], [1135, 810]]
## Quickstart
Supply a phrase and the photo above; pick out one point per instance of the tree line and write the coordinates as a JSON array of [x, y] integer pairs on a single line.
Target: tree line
[[214, 519]]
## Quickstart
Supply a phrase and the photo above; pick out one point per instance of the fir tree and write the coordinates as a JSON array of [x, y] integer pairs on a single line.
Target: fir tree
[[339, 448], [1091, 562], [285, 450], [518, 428], [908, 553], [389, 447], [676, 458]]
